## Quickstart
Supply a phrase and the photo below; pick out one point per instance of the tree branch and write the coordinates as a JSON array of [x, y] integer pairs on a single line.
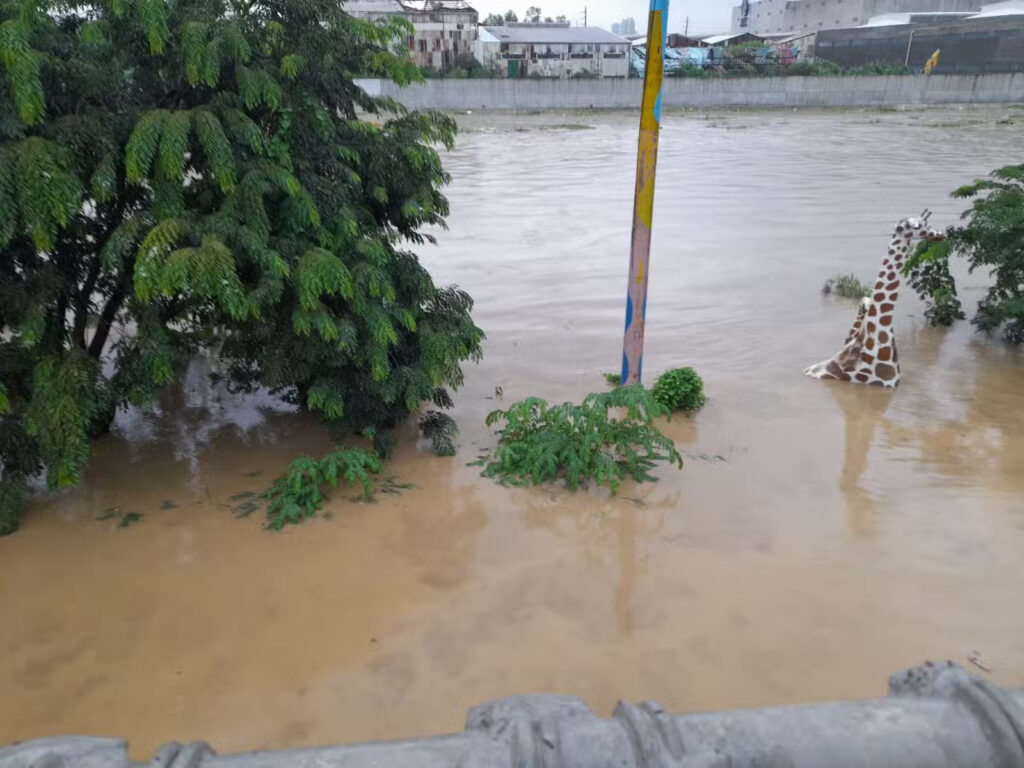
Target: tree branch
[[107, 317]]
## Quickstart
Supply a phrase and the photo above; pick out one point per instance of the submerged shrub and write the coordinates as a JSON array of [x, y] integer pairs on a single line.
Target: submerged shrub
[[440, 429], [296, 494], [679, 389], [541, 443], [847, 286]]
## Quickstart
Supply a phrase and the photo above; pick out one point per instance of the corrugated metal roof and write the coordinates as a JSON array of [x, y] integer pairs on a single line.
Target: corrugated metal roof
[[716, 39], [553, 34], [1008, 8], [372, 7]]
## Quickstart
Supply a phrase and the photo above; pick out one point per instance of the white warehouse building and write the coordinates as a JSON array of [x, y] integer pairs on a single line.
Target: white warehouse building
[[552, 50]]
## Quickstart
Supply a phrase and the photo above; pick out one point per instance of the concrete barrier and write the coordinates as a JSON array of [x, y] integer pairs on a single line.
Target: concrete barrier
[[860, 91], [935, 716]]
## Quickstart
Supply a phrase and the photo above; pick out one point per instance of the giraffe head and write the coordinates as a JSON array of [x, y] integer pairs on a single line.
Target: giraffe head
[[916, 227]]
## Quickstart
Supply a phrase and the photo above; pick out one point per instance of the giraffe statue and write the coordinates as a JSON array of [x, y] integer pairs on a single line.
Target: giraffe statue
[[868, 355]]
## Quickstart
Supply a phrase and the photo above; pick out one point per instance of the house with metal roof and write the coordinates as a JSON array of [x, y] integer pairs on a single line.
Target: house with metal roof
[[444, 31], [553, 50]]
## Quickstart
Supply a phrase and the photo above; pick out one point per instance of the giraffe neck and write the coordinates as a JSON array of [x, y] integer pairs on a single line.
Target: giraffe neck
[[887, 286]]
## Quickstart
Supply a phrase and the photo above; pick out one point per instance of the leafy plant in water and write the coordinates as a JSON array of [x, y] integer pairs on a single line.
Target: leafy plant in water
[[296, 494], [541, 443], [679, 389], [847, 286], [440, 429], [992, 238]]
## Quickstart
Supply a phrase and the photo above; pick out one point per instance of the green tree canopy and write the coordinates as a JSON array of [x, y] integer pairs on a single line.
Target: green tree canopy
[[177, 174], [991, 239]]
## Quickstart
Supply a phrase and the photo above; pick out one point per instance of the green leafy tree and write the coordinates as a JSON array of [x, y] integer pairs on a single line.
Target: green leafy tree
[[533, 14], [186, 173], [991, 239], [493, 20], [511, 16]]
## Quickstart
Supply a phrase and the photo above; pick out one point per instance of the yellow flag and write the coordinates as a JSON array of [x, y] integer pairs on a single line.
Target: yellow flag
[[932, 62]]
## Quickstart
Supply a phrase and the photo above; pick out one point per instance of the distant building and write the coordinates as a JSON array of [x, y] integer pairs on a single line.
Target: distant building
[[444, 30], [552, 50], [773, 17], [989, 41], [676, 40], [625, 27]]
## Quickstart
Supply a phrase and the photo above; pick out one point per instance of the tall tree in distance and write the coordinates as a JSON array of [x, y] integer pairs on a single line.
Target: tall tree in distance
[[493, 20], [177, 174], [511, 16], [532, 15]]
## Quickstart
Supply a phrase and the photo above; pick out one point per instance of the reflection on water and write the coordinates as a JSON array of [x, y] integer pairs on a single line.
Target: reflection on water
[[799, 555]]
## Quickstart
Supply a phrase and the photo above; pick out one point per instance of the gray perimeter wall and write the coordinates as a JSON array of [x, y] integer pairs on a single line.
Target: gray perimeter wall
[[891, 91]]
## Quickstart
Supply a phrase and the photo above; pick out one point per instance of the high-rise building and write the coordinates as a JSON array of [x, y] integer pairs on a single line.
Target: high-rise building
[[624, 27]]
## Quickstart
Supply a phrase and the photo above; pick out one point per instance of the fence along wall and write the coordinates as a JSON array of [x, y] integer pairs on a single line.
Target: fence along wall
[[865, 91]]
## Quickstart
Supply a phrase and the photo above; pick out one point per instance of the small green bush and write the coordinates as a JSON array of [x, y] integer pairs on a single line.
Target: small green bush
[[847, 286], [296, 495], [580, 443], [613, 379], [440, 429], [680, 389]]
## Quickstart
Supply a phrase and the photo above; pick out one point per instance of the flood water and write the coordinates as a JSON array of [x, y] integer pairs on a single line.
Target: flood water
[[820, 536]]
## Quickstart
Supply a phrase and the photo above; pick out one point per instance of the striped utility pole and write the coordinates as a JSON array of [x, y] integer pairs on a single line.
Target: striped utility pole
[[643, 201]]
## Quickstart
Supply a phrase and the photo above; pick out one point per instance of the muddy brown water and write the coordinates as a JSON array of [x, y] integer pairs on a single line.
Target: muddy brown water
[[820, 536]]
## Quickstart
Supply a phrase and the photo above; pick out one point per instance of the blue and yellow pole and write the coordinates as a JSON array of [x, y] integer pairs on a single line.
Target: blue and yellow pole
[[643, 200]]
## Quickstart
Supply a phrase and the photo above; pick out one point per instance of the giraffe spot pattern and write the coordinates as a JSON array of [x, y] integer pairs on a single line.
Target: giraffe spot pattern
[[891, 275], [887, 320], [893, 285], [871, 327], [867, 358], [887, 307], [872, 312], [862, 377], [885, 372], [885, 353], [879, 296], [870, 343], [883, 337]]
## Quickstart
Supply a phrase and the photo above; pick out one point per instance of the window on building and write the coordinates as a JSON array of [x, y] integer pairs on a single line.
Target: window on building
[[504, 47], [437, 43], [423, 45]]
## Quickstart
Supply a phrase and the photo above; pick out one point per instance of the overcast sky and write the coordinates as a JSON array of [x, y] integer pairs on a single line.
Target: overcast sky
[[706, 16]]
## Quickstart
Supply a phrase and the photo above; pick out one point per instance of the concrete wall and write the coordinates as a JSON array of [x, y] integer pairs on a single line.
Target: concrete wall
[[709, 92]]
